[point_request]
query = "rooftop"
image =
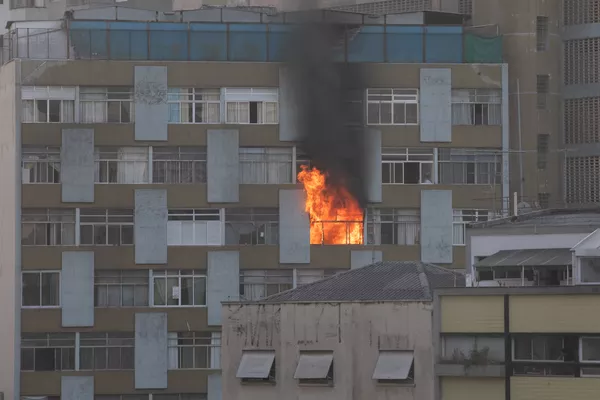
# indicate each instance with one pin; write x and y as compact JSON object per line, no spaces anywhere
{"x":549,"y":217}
{"x":382,"y":281}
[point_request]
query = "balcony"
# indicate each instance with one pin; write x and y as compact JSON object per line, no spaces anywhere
{"x":14,"y":4}
{"x":472,"y":356}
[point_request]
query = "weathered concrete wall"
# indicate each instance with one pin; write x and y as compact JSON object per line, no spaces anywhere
{"x":353,"y":331}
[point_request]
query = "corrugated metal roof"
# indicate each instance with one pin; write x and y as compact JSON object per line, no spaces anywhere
{"x":529,"y":257}
{"x":388,"y":280}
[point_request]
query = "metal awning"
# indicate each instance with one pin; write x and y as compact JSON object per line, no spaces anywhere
{"x":393,"y":365}
{"x":313,"y":366}
{"x":532,"y":258}
{"x":255,"y":364}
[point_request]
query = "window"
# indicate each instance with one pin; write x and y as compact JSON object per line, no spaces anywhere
{"x":541,"y":33}
{"x":392,"y":106}
{"x":174,"y":288}
{"x":589,"y":270}
{"x":306,"y":276}
{"x":258,"y":284}
{"x":315,"y":368}
{"x":460,"y":348}
{"x":460,"y":221}
{"x":265,"y":165}
{"x":99,"y":104}
{"x":48,"y":227}
{"x":201,"y":227}
{"x":395,"y":367}
{"x":257,"y":366}
{"x":41,"y":164}
{"x":251,"y":106}
{"x":41,"y":289}
{"x":393,"y":226}
{"x":101,"y":227}
{"x":476,"y":107}
{"x":538,"y":348}
{"x":589,"y":348}
{"x":542,"y":150}
{"x":190,"y":350}
{"x":48,"y":104}
{"x":48,"y":352}
{"x":179,"y":165}
{"x":407,"y":166}
{"x":106,"y":351}
{"x":302,"y":159}
{"x":543,"y":86}
{"x":127,"y":165}
{"x":195,"y":106}
{"x":121,"y":288}
{"x":470,"y":167}
{"x":251,"y":226}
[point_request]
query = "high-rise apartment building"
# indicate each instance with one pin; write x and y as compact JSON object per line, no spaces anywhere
{"x":149,"y":173}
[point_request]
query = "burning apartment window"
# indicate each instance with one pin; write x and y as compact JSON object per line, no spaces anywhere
{"x":251,"y":106}
{"x":125,"y":165}
{"x":101,"y":104}
{"x":194,"y":227}
{"x":469,"y":167}
{"x":270,"y":165}
{"x":258,"y":284}
{"x":106,"y":227}
{"x":392,"y":106}
{"x":407,"y":166}
{"x":41,"y":164}
{"x":460,"y":221}
{"x":48,"y":227}
{"x":251,"y":226}
{"x":106,"y":351}
{"x":477,"y":107}
{"x":48,"y":104}
{"x":48,"y":352}
{"x":179,"y":165}
{"x":121,"y":288}
{"x":194,"y":106}
{"x":179,"y":288}
{"x":302,"y":159}
{"x":393,"y":226}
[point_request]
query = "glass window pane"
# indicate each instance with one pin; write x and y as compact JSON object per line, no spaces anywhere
{"x":31,"y":289}
{"x":50,"y":289}
{"x":200,"y":291}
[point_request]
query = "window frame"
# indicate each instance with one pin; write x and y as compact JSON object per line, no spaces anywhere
{"x":263,"y":96}
{"x":266,"y":158}
{"x":121,"y":277}
{"x":179,"y":96}
{"x":374,"y":222}
{"x":169,"y":274}
{"x":107,"y":158}
{"x":407,"y":155}
{"x":541,"y":33}
{"x":531,"y":339}
{"x":53,"y":228}
{"x":199,"y":343}
{"x":267,"y":224}
{"x":280,"y":281}
{"x":458,"y":218}
{"x":107,"y":223}
{"x":46,"y":158}
{"x":106,"y":348}
{"x":195,"y":215}
{"x":40,"y":273}
{"x":396,"y":96}
{"x":489,"y":101}
{"x":118,"y":95}
{"x":167,"y":160}
{"x":475,"y":158}
{"x":57,"y":348}
{"x":581,"y":339}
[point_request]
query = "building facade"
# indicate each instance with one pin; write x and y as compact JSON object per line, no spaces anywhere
{"x":143,"y":185}
{"x":517,"y":343}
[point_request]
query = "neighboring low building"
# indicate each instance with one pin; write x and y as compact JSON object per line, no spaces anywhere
{"x":361,"y":334}
{"x":517,"y":343}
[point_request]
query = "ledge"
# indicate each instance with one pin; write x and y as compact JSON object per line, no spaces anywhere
{"x":488,"y":371}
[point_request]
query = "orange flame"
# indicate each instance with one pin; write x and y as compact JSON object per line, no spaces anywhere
{"x":335,"y":216}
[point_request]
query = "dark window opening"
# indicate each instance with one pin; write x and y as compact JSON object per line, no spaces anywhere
{"x":254,"y":118}
{"x":412,"y":173}
{"x":54,"y":111}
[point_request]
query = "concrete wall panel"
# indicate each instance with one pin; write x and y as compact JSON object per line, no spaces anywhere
{"x":150,"y":228}
{"x":436,"y":226}
{"x":77,"y":165}
{"x":223,"y":282}
{"x":223,"y":155}
{"x":151,"y":360}
{"x":294,"y":228}
{"x":77,"y":388}
{"x":436,"y":105}
{"x":151,"y":108}
{"x":214,"y":391}
{"x":373,"y":166}
{"x":77,"y":288}
{"x":362,"y":258}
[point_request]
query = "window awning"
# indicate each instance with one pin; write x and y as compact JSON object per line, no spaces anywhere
{"x":393,"y":365}
{"x":532,"y":258}
{"x":255,"y":364}
{"x":313,"y":366}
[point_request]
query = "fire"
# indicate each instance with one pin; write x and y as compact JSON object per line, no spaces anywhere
{"x":335,"y":216}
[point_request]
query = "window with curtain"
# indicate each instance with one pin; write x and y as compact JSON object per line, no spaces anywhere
{"x":476,"y":107}
{"x":190,"y":350}
{"x":194,"y":106}
{"x":179,"y":164}
{"x":251,"y":106}
{"x":194,"y":227}
{"x":251,"y":226}
{"x":469,"y":166}
{"x":407,"y":166}
{"x":258,"y":284}
{"x":48,"y":351}
{"x":179,"y":288}
{"x":40,"y":164}
{"x":270,"y":165}
{"x":124,"y":165}
{"x":47,"y":104}
{"x":464,"y":217}
{"x":393,"y":226}
{"x":106,"y":351}
{"x":102,"y":104}
{"x":121,"y":288}
{"x":47,"y":227}
{"x":106,"y":227}
{"x":392,"y":106}
{"x":40,"y":289}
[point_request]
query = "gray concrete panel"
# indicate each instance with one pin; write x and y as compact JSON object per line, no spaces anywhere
{"x":77,"y":165}
{"x":214,"y":391}
{"x":76,"y":388}
{"x":294,"y":228}
{"x":288,"y":125}
{"x":223,"y":282}
{"x":362,"y":258}
{"x":223,"y":155}
{"x":77,"y":288}
{"x":151,"y":108}
{"x":436,"y":226}
{"x":151,"y":357}
{"x":436,"y":105}
{"x":373,"y":166}
{"x":150,"y":229}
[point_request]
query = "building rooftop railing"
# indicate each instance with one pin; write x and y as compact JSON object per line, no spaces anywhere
{"x":255,"y":42}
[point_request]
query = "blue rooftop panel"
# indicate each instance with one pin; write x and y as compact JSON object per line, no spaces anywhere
{"x":208,"y":42}
{"x":247,"y":42}
{"x":404,"y":44}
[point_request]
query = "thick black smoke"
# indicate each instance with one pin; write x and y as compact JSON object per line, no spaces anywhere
{"x":322,"y":90}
